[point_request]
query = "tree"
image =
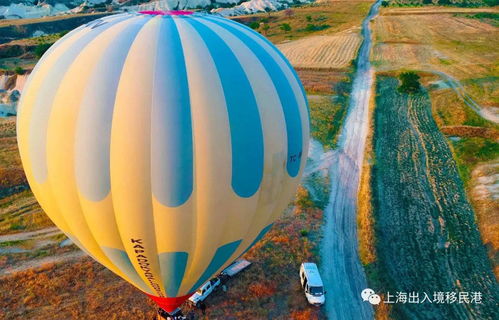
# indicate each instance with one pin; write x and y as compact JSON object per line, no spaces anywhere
{"x":385,"y":3}
{"x":285,"y":27}
{"x":310,"y":27}
{"x":309,"y":18}
{"x":41,"y":48}
{"x":18,"y":70}
{"x":254,"y":25}
{"x":410,"y":82}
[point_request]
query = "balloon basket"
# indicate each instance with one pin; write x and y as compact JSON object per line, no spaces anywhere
{"x":175,"y":315}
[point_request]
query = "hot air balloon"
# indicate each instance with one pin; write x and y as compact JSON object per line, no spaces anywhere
{"x":163,"y":144}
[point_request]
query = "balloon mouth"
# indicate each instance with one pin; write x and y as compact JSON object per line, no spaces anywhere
{"x":169,"y":304}
{"x":168,"y":13}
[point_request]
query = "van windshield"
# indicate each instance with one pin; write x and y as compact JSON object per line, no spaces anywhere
{"x":316,"y":291}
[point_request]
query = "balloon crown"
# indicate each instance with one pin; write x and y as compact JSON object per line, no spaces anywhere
{"x":168,"y":12}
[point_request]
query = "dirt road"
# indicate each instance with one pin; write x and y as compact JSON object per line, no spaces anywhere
{"x":30,"y":235}
{"x":37,"y":263}
{"x":342,"y":271}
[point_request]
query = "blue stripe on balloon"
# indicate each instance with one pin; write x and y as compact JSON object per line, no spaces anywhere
{"x":42,"y":107}
{"x":293,"y":71}
{"x":172,"y":266}
{"x":244,"y":118}
{"x":171,"y":128}
{"x":96,"y":113}
{"x":221,"y":256}
{"x":286,"y":96}
{"x":121,"y":260}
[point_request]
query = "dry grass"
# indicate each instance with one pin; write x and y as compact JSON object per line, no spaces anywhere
{"x":318,"y":81}
{"x":484,"y":200}
{"x":9,"y":156}
{"x":432,"y":10}
{"x":336,"y":51}
{"x":19,"y":210}
{"x":450,"y":110}
{"x":365,"y":219}
{"x":470,"y":132}
{"x":20,"y":22}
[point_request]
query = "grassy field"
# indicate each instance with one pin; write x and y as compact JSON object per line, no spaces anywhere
{"x":445,"y":40}
{"x":327,"y":112}
{"x":330,"y":16}
{"x":426,"y":236}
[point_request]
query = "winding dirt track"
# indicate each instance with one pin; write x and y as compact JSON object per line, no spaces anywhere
{"x":455,"y":85}
{"x":30,"y":235}
{"x":342,"y":271}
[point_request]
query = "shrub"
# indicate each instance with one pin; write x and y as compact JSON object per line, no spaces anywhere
{"x":41,"y":49}
{"x":313,"y":27}
{"x":265,"y":28}
{"x":254,"y":25}
{"x":285,"y":27}
{"x":18,"y":70}
{"x":302,"y":199}
{"x":309,"y":18}
{"x":304,"y":232}
{"x":410,"y":82}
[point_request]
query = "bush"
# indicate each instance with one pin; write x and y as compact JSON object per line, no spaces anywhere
{"x":313,"y":27}
{"x":285,"y":27}
{"x":309,"y":18}
{"x":41,"y":49}
{"x":265,"y":28}
{"x":410,"y":82}
{"x":302,"y":199}
{"x":254,"y":25}
{"x":304,"y":232}
{"x":18,"y":70}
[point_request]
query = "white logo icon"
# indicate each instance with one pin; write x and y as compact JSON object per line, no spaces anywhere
{"x":369,"y":295}
{"x":374,"y":299}
{"x":366,"y":293}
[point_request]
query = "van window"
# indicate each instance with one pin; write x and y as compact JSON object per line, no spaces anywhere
{"x":316,"y":290}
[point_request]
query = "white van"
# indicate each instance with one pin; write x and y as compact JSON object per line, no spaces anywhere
{"x":312,"y":283}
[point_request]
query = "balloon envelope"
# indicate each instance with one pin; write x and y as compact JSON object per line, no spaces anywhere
{"x":164,"y":145}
